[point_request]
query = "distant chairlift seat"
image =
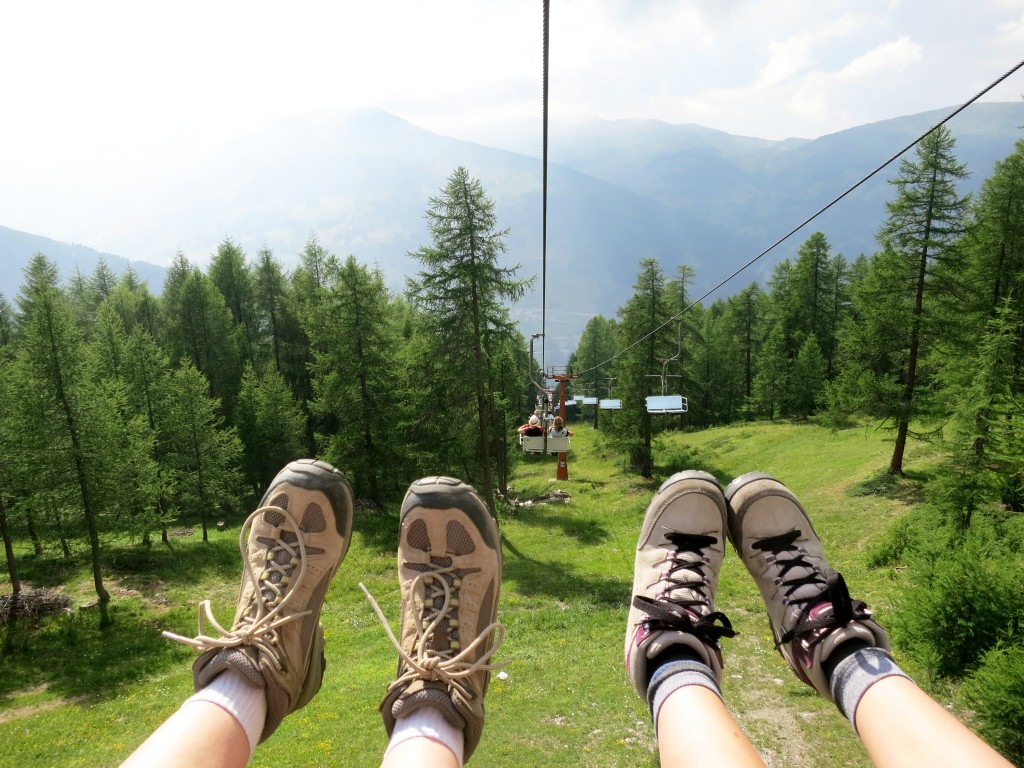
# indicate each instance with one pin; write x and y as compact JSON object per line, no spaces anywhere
{"x":535,"y":444}
{"x":610,"y":405}
{"x":660,"y":404}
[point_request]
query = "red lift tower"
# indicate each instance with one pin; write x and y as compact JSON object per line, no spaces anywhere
{"x":561,"y":375}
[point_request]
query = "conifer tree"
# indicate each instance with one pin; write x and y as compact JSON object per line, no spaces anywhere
{"x":281,"y":339}
{"x":597,"y":345}
{"x":806,"y":379}
{"x":204,"y":455}
{"x":463,"y":292}
{"x":908,"y":297}
{"x":648,"y":339}
{"x":229,"y":272}
{"x":271,"y":426}
{"x":743,"y":316}
{"x":85,"y":456}
{"x":772,"y":379}
{"x":198,"y":327}
{"x":353,"y":338}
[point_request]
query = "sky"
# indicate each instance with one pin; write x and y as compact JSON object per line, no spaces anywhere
{"x":92,"y":92}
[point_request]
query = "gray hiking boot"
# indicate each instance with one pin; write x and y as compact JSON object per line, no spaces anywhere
{"x":449,"y":571}
{"x":291,"y":547}
{"x":809,"y":606}
{"x":675,"y":576}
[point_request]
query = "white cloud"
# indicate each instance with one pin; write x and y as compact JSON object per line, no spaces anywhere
{"x":885,"y":59}
{"x":1012,"y":31}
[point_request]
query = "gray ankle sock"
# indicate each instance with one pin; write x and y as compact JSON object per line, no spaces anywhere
{"x":673,"y":675}
{"x":858,"y":672}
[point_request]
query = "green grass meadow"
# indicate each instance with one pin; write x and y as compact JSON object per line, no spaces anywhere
{"x":72,"y":695}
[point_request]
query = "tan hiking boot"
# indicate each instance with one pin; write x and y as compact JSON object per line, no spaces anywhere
{"x":675,"y":576}
{"x":291,"y":547}
{"x":809,"y":606}
{"x":449,"y":571}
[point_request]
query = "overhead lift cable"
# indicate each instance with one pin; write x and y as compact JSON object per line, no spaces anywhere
{"x":544,"y":198}
{"x":812,"y":217}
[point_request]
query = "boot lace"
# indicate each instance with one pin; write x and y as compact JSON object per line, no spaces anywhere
{"x":453,"y":665}
{"x":829,"y":586}
{"x":685,"y":573}
{"x":257,"y":627}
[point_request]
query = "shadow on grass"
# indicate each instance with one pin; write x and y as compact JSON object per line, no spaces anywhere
{"x":908,"y":488}
{"x":587,"y":532}
{"x":72,"y":657}
{"x":558,"y":580}
{"x":379,"y":531}
{"x":182,"y":562}
{"x":679,"y":458}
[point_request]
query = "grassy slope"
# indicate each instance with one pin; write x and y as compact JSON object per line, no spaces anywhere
{"x":79,"y":698}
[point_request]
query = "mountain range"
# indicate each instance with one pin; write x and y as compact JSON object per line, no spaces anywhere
{"x":618,"y":191}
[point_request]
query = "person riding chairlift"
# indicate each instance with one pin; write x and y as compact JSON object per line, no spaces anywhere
{"x":558,"y":429}
{"x":532,"y":428}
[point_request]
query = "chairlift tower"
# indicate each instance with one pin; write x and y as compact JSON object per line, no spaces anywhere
{"x":560,"y":374}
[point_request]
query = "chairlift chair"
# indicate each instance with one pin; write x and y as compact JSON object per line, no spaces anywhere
{"x":662,"y":404}
{"x":535,"y":444}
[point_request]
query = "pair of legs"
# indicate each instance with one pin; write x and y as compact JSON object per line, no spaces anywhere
{"x":673,"y":653}
{"x":270,"y":662}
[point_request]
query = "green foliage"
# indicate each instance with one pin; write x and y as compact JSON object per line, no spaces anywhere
{"x":771,"y":383}
{"x":271,"y":426}
{"x":644,"y":324}
{"x":901,"y":537}
{"x":907,"y":302}
{"x":462,"y":292}
{"x":807,"y":379}
{"x":198,"y":327}
{"x":233,"y":279}
{"x":598,"y":344}
{"x":353,"y":336}
{"x":202,"y":455}
{"x":996,"y":694}
{"x":961,"y":601}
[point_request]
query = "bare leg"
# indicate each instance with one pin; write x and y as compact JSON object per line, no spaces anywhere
{"x":198,"y":734}
{"x":695,"y":728}
{"x":830,"y":640}
{"x":290,"y":546}
{"x":901,"y":725}
{"x":420,"y":753}
{"x":672,"y":652}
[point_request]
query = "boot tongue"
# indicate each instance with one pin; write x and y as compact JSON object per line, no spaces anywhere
{"x":440,"y":642}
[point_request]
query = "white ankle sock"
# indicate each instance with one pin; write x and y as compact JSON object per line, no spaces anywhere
{"x":430,"y":723}
{"x":233,"y":693}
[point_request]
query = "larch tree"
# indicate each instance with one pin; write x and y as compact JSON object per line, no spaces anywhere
{"x":647,"y":340}
{"x":234,"y":280}
{"x":90,"y":463}
{"x":353,"y":338}
{"x":204,"y":454}
{"x":198,"y":327}
{"x":915,"y":278}
{"x":597,"y":346}
{"x":271,"y":426}
{"x":463,"y":292}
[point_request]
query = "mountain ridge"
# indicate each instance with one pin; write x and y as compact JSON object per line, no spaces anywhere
{"x":618,"y":191}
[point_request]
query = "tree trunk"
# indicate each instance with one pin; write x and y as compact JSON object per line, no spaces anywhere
{"x":907,"y":402}
{"x":37,"y":544}
{"x":83,"y":485}
{"x":12,"y":568}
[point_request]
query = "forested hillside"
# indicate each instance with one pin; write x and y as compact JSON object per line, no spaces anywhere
{"x":126,"y":410}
